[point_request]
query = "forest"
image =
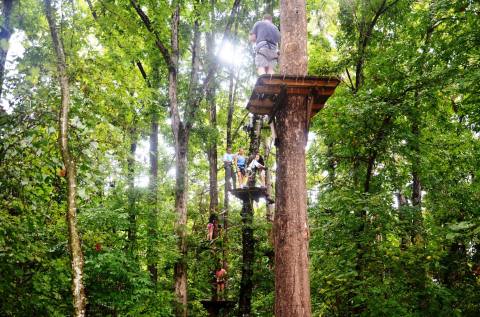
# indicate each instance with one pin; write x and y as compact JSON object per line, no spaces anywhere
{"x":115,"y":118}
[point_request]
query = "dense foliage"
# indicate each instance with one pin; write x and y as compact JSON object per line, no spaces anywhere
{"x":393,"y":160}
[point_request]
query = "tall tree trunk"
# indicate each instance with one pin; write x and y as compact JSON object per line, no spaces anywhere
{"x":248,"y":255}
{"x":270,"y":206}
{"x":181,"y":137}
{"x":248,"y":242}
{"x":212,"y":144}
{"x":5,"y":34}
{"x":230,"y":178}
{"x":152,"y":219}
{"x":74,"y":241}
{"x":180,"y":273}
{"x":255,"y":135}
{"x":132,"y":213}
{"x":292,"y":286}
{"x":268,"y":184}
{"x":402,"y":203}
{"x":417,"y":232}
{"x":153,"y":189}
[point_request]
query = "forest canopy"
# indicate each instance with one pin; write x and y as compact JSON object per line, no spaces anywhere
{"x":115,"y":117}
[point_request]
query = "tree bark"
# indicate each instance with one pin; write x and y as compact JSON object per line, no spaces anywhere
{"x":290,"y":223}
{"x":74,"y":240}
{"x":292,"y":286}
{"x":293,"y":51}
{"x":5,"y":34}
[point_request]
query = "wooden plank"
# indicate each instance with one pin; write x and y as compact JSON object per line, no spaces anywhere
{"x":269,"y":90}
{"x":274,"y":90}
{"x":249,"y":193}
{"x":261,"y":103}
{"x":259,"y":110}
{"x":302,"y":82}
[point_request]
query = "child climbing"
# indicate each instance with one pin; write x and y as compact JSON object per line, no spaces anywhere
{"x":212,"y":227}
{"x":210,"y":231}
{"x":221,"y":275}
{"x":228,"y":163}
{"x":258,"y":165}
{"x":240,"y":162}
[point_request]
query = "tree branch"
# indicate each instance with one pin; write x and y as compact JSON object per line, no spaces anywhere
{"x":94,"y":13}
{"x":148,"y":24}
{"x":144,"y":73}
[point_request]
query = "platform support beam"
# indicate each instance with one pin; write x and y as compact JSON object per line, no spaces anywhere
{"x":248,"y":254}
{"x":292,"y":285}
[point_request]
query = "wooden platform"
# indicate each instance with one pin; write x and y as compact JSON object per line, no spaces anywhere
{"x":270,"y":92}
{"x":253,"y":193}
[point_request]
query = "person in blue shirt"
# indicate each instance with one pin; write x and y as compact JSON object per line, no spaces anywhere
{"x":241,"y":162}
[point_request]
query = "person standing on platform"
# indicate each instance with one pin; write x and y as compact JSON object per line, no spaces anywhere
{"x":258,"y":165}
{"x":240,"y":162}
{"x":228,"y":162}
{"x":266,"y":37}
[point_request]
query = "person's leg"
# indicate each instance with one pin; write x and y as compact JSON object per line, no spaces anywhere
{"x":270,"y":70}
{"x":261,"y":71}
{"x":239,"y":178}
